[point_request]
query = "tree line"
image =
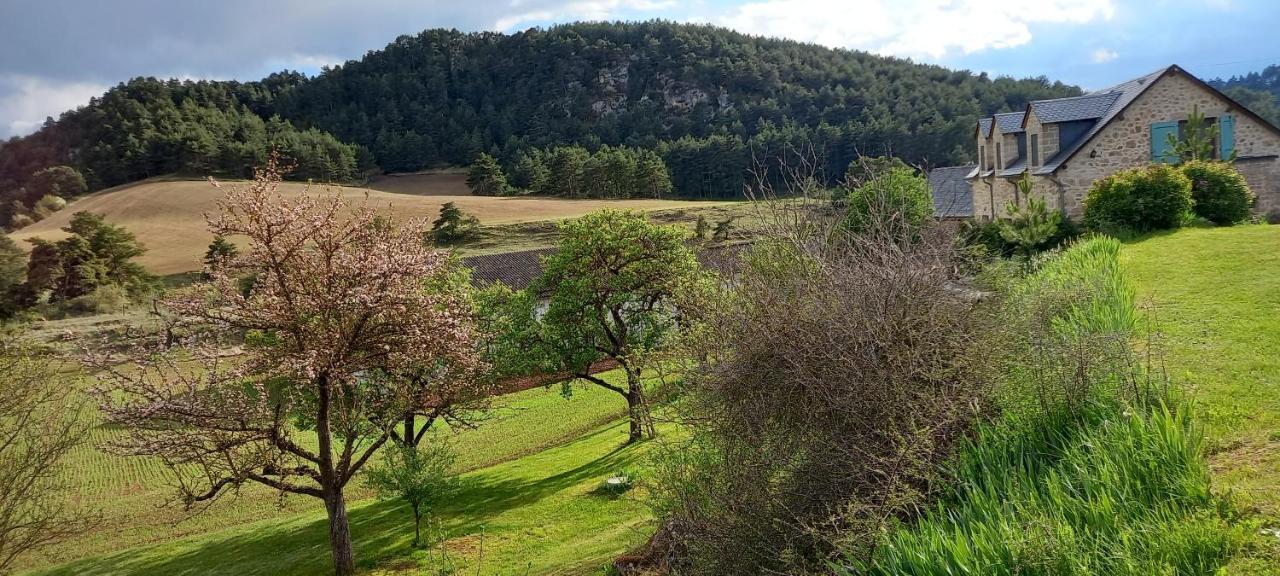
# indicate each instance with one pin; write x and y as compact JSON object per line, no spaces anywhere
{"x":148,"y":127}
{"x":704,"y":98}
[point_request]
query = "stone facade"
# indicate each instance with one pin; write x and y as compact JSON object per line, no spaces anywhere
{"x":1126,"y":143}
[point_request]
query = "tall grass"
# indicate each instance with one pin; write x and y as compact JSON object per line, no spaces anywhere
{"x":1088,"y":469}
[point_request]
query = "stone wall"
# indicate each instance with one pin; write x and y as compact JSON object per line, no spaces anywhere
{"x":1126,"y":142}
{"x":1263,"y":175}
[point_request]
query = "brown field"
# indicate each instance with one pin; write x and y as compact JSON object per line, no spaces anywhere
{"x":168,"y":216}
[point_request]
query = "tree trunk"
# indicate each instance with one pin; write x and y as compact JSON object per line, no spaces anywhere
{"x":637,"y":410}
{"x":417,"y":526}
{"x":344,"y":558}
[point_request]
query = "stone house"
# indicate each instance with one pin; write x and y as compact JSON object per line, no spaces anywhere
{"x":1065,"y":144}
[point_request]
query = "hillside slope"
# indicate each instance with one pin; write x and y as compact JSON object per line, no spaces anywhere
{"x":168,"y":216}
{"x":711,"y":100}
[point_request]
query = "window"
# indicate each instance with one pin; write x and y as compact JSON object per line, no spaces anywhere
{"x":1035,"y":149}
{"x":999,"y":158}
{"x":982,"y":158}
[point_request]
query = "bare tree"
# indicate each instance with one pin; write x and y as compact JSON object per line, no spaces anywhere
{"x":338,"y":309}
{"x":39,"y":424}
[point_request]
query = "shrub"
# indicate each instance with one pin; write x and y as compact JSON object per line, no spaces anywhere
{"x":1221,"y":194}
{"x":895,"y":202}
{"x":1138,"y":199}
{"x":1033,"y":228}
{"x":19,"y":221}
{"x":104,"y":299}
{"x":46,"y":206}
{"x":836,"y":381}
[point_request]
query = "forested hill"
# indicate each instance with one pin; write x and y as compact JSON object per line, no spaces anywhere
{"x":705,"y":97}
{"x":1260,"y":91}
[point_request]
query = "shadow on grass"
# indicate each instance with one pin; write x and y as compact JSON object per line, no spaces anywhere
{"x":382,"y":530}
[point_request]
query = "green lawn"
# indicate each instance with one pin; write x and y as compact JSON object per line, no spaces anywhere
{"x":131,"y":493}
{"x":538,"y":514}
{"x":1215,"y":296}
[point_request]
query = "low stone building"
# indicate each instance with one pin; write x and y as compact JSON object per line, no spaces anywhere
{"x":1066,"y":144}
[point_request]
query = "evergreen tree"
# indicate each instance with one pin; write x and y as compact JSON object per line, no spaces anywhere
{"x":485,"y":177}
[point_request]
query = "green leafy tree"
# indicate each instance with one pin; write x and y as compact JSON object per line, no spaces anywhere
{"x":219,"y":253}
{"x":96,"y":254}
{"x":651,"y":176}
{"x":613,"y":284}
{"x":454,"y":225}
{"x":13,"y":271}
{"x":421,"y":476}
{"x":61,"y":181}
{"x":567,"y":166}
{"x":46,"y":206}
{"x":864,"y":168}
{"x":485,"y":177}
{"x":897,"y":200}
{"x":531,"y":173}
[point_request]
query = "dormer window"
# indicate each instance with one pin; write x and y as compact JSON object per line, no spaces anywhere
{"x":999,"y":158}
{"x":1035,"y":149}
{"x":982,"y":158}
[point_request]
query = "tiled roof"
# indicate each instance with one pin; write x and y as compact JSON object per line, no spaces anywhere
{"x":519,"y":270}
{"x":1087,"y":107}
{"x":1125,"y":93}
{"x":515,"y":269}
{"x":952,"y":194}
{"x":984,"y":126}
{"x":1010,"y":122}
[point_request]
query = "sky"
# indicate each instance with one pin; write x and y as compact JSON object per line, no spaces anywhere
{"x":57,"y":54}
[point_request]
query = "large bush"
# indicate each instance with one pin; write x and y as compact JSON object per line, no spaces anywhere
{"x":894,"y":201}
{"x":1155,"y":197}
{"x":833,"y":380}
{"x":1221,"y":194}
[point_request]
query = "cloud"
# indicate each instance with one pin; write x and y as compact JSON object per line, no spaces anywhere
{"x":25,"y":101}
{"x":912,"y":28}
{"x":1103,"y":55}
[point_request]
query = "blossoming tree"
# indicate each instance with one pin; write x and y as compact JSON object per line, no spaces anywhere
{"x":351,"y":327}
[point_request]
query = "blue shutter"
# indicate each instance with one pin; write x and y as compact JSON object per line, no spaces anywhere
{"x":1160,"y":150}
{"x":1226,"y":136}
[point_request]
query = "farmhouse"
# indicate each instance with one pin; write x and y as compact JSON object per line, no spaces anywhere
{"x":1065,"y":144}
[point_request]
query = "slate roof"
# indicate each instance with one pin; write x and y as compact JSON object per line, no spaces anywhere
{"x":1087,"y":107}
{"x":1125,"y":93}
{"x":984,"y":125}
{"x":1016,"y":169}
{"x":952,"y":193}
{"x":1010,"y":122}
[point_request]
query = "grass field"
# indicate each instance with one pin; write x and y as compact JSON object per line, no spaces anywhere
{"x":168,"y":215}
{"x":129,"y":491}
{"x":1214,"y":293}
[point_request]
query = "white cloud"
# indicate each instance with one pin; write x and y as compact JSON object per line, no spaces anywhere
{"x":1103,"y":55}
{"x":526,"y":12}
{"x":912,"y":28}
{"x":25,"y":101}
